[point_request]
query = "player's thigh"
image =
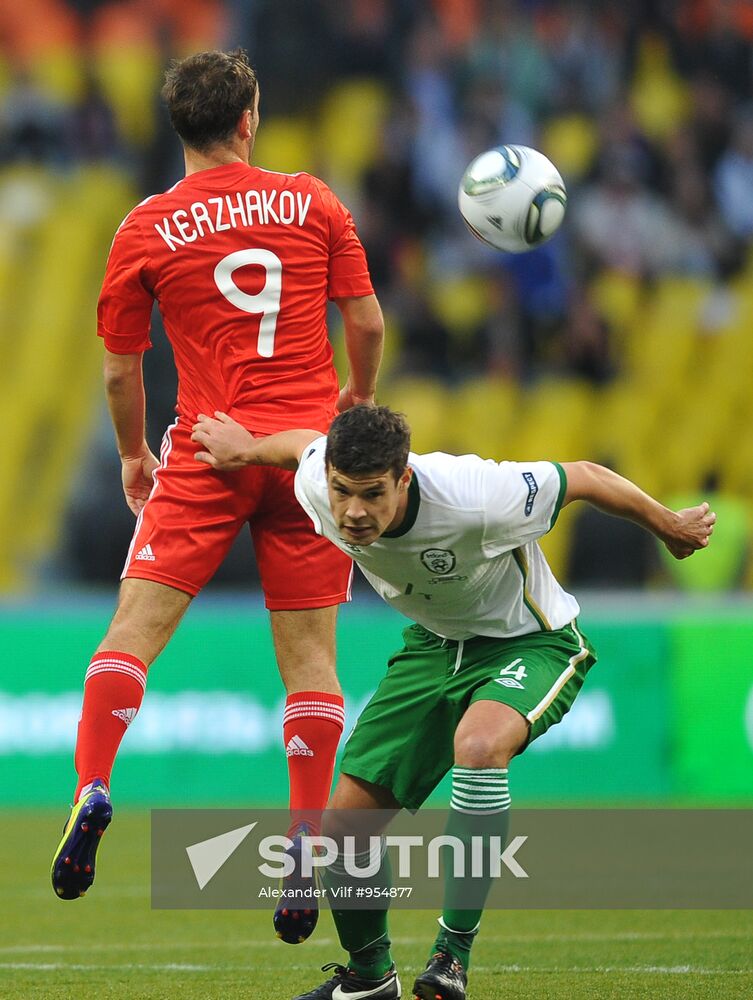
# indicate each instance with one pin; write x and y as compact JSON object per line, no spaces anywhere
{"x":146,"y":617}
{"x":402,"y":740}
{"x":190,"y":520}
{"x":305,"y":649}
{"x":538,"y":675}
{"x":299,"y":569}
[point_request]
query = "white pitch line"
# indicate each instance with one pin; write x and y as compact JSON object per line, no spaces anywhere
{"x":124,"y":892}
{"x":325,"y":942}
{"x":684,"y":970}
{"x":662,"y":970}
{"x":617,"y":936}
{"x":79,"y":967}
{"x":30,"y":949}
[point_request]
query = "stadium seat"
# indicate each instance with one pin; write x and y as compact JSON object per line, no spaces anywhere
{"x":130,"y":78}
{"x":618,"y":298}
{"x":426,"y":404}
{"x":658,"y":96}
{"x":484,"y":417}
{"x":735,"y":463}
{"x":555,"y":421}
{"x":623,"y":429}
{"x":5,"y":75}
{"x":351,"y":121}
{"x":285,"y":144}
{"x":56,"y":366}
{"x":661,"y":346}
{"x":60,"y":72}
{"x":461,"y":302}
{"x":570,"y":141}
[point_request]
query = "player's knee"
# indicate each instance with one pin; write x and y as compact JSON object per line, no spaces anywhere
{"x":146,"y":617}
{"x":477,"y":748}
{"x":138,"y":620}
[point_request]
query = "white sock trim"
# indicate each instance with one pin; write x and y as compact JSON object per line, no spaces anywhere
{"x":443,"y":925}
{"x":480,"y":791}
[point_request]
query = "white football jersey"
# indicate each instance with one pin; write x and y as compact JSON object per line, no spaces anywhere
{"x":465,"y":560}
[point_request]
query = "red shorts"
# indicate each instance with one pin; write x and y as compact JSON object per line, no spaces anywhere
{"x":194,"y":514}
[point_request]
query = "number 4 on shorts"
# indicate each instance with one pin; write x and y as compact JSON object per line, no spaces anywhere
{"x":512,"y":674}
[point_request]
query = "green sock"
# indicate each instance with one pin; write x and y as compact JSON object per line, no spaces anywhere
{"x":458,"y":943}
{"x":375,"y":959}
{"x":363,"y":933}
{"x":480,"y":808}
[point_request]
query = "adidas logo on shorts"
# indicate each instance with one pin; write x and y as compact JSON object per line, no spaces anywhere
{"x":297,"y":748}
{"x":146,"y":553}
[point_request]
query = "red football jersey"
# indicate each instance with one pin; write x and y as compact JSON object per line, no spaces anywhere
{"x":241,"y":262}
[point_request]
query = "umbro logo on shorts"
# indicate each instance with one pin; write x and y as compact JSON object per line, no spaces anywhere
{"x":297,"y":748}
{"x":509,"y":682}
{"x":146,"y":554}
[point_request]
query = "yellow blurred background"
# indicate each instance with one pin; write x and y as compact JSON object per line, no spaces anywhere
{"x":628,"y":339}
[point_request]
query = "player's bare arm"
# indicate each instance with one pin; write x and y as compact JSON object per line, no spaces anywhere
{"x":683,"y":531}
{"x":364,"y":340}
{"x":228,"y":446}
{"x":124,"y":388}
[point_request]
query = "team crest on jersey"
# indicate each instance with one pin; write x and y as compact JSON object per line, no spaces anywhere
{"x":439,"y":561}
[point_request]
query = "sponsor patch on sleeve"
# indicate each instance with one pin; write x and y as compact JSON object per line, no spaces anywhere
{"x":533,"y":489}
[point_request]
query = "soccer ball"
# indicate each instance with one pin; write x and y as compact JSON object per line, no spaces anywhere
{"x":512,"y":198}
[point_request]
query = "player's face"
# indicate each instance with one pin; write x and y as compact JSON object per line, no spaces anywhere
{"x":366,"y":506}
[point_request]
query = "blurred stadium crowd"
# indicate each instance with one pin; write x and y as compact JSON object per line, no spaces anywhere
{"x":627,"y":339}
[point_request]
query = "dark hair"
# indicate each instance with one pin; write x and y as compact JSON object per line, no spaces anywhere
{"x":207,"y":93}
{"x":367,"y":439}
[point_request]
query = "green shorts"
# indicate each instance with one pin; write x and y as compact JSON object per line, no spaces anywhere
{"x":403,"y":739}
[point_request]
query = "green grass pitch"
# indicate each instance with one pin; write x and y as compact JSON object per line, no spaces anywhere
{"x":111,"y":944}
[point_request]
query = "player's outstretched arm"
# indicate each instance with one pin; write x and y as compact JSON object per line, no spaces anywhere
{"x":682,"y":531}
{"x":364,"y":341}
{"x":228,"y":446}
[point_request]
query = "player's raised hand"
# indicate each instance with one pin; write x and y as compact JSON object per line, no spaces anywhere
{"x":224,"y":441}
{"x":691,"y":530}
{"x":138,"y":478}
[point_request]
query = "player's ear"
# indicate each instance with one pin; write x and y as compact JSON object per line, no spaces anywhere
{"x":246,"y":124}
{"x":405,"y":478}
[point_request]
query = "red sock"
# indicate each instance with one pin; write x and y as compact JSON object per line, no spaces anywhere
{"x":113,"y":689}
{"x":311,"y":729}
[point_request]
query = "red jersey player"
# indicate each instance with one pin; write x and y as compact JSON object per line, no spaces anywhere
{"x":241,"y":262}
